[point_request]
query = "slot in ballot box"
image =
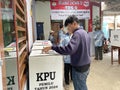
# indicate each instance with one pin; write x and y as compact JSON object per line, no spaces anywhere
{"x":42,"y":43}
{"x":37,"y":48}
{"x":45,"y":71}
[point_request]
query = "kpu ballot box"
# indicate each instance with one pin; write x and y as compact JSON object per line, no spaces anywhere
{"x":11,"y":73}
{"x":45,"y":71}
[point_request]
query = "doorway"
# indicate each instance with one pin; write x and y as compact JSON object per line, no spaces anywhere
{"x":40,"y":30}
{"x":82,"y":23}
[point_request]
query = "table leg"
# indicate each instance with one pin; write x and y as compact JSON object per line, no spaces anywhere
{"x":119,"y":55}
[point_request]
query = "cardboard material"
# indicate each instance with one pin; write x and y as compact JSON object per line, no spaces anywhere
{"x":115,"y":38}
{"x":45,"y":70}
{"x":37,"y":47}
{"x":11,"y":77}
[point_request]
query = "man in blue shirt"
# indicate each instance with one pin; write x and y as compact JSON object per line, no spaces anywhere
{"x":51,"y":37}
{"x":67,"y":60}
{"x":61,"y":33}
{"x":98,"y":38}
{"x":79,"y":51}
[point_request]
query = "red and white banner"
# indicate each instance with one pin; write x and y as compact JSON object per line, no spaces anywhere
{"x":61,"y":9}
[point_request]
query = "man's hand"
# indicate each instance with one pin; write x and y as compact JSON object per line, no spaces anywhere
{"x":46,"y":49}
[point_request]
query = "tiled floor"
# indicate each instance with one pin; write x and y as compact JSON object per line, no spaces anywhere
{"x":103,"y":75}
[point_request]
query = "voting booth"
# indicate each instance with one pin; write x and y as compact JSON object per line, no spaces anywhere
{"x":115,"y":44}
{"x":45,"y":70}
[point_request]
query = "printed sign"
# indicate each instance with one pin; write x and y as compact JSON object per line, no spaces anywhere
{"x":115,"y":38}
{"x":61,"y":9}
{"x":45,"y":72}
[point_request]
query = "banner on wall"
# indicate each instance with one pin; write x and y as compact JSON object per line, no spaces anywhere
{"x":61,"y":9}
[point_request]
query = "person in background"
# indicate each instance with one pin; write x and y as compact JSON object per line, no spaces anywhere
{"x":109,"y":44}
{"x":81,"y":27}
{"x":105,"y":46}
{"x":67,"y":61}
{"x":61,"y":33}
{"x":98,"y":38}
{"x":79,"y":50}
{"x":51,"y":37}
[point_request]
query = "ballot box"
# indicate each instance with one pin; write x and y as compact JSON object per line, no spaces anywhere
{"x":115,"y":38}
{"x":45,"y":71}
{"x":11,"y":73}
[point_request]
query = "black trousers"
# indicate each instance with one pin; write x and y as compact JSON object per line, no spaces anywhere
{"x":99,"y":53}
{"x":67,"y":73}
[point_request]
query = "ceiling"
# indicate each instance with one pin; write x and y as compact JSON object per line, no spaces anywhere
{"x":109,"y":5}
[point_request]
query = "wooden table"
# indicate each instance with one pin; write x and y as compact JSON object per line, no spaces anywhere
{"x":112,"y":49}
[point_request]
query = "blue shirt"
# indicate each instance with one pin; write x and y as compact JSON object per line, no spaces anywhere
{"x":64,"y":42}
{"x":78,"y":48}
{"x":98,"y":37}
{"x":61,"y":35}
{"x":51,"y":38}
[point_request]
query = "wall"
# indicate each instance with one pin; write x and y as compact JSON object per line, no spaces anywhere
{"x":34,"y":20}
{"x":95,"y":12}
{"x":43,"y":15}
{"x":29,"y":23}
{"x":92,"y":12}
{"x":86,"y":25}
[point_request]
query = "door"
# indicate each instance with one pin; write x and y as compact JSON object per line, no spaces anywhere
{"x":40,"y":31}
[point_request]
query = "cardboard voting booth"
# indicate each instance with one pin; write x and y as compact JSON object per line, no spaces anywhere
{"x":45,"y":70}
{"x":115,"y":38}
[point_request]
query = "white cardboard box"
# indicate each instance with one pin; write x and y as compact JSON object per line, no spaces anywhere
{"x":115,"y":38}
{"x":11,"y":73}
{"x":45,"y":71}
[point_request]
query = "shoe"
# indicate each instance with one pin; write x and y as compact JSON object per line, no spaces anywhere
{"x":95,"y":58}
